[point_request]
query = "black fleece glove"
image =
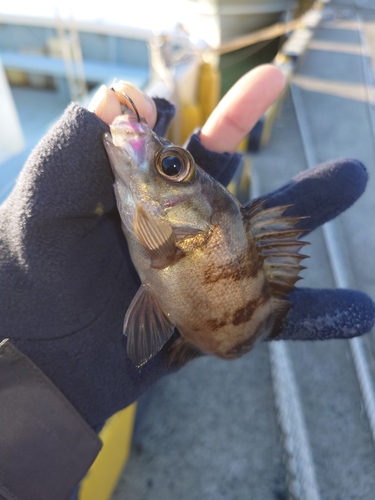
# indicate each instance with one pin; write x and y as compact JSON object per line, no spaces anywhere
{"x":67,"y":279}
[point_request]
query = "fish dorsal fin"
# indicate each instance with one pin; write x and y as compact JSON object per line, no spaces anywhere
{"x":156,"y":236}
{"x":146,"y":326}
{"x":275,"y":238}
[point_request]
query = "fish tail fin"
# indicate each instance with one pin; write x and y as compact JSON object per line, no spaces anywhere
{"x":276,"y":240}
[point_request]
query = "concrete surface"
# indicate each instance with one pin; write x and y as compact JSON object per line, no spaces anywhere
{"x":210,"y":431}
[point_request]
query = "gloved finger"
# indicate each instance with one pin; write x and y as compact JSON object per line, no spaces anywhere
{"x":221,"y":166}
{"x":321,"y":193}
{"x":241,"y":108}
{"x":321,"y":314}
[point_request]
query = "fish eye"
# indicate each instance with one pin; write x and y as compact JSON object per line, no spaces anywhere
{"x":175,"y":164}
{"x":171,"y":165}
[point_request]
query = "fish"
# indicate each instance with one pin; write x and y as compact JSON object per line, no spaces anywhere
{"x":215,"y":270}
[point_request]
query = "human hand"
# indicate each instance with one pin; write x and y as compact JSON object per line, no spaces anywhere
{"x":65,"y":261}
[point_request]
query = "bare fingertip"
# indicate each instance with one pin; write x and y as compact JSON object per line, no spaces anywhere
{"x":113,"y":107}
{"x":152,"y":112}
{"x":105,"y":105}
{"x":97,"y":101}
{"x":268,"y":74}
{"x":276,"y":74}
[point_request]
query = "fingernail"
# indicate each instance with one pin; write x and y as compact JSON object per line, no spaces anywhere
{"x":99,"y":101}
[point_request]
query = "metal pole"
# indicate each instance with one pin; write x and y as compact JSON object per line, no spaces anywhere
{"x":67,"y":56}
{"x":78,"y":59}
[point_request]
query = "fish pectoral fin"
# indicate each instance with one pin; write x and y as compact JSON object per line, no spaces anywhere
{"x":182,"y":351}
{"x":146,"y":326}
{"x":156,"y":236}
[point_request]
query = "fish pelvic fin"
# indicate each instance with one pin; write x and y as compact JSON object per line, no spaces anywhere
{"x":181,"y":352}
{"x":146,"y":326}
{"x":276,"y":240}
{"x":156,"y":236}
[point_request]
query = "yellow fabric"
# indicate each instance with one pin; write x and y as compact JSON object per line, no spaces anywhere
{"x":208,"y":89}
{"x":103,"y":475}
{"x":191,"y":119}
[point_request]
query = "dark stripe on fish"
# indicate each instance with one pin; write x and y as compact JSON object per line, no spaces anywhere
{"x":214,"y":324}
{"x":242,"y":268}
{"x":243,"y":314}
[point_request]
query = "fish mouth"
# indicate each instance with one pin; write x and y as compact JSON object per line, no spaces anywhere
{"x":126,"y":129}
{"x":125,"y":144}
{"x":119,"y":159}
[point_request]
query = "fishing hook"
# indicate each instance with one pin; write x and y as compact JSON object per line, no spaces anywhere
{"x":132,"y":104}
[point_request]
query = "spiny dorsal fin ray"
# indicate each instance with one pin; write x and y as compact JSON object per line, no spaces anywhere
{"x":156,"y":237}
{"x":267,"y":213}
{"x":284,"y":277}
{"x":275,"y":237}
{"x":279,"y":234}
{"x":255,"y":210}
{"x":283,"y":258}
{"x":264,"y":225}
{"x":280,"y":289}
{"x":274,"y":246}
{"x":283,"y":267}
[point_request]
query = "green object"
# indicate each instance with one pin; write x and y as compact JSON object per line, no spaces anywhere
{"x":235,"y":64}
